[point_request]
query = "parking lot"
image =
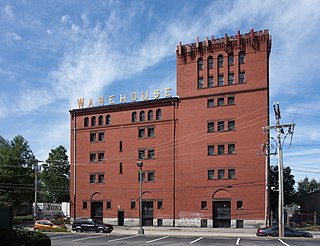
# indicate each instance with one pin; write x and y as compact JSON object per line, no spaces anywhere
{"x":61,"y":239}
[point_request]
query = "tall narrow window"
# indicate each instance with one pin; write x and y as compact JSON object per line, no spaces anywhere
{"x":150,"y":132}
{"x":84,"y":205}
{"x":242,"y":77}
{"x":150,"y":176}
{"x":220,"y":149}
{"x":241,"y":57}
{"x":210,"y":174}
{"x":210,"y":62}
{"x":133,"y":204}
{"x":101,"y":178}
{"x":210,"y":126}
{"x":231,"y":79}
{"x":93,"y":157}
{"x":150,"y":153}
{"x":100,"y":120}
{"x":220,"y":101}
{"x":108,"y":205}
{"x":92,"y":179}
{"x":120,"y":146}
{"x":210,"y":103}
{"x":108,"y":120}
{"x":134,"y":117}
{"x":141,"y":154}
{"x":141,"y":133}
{"x":210,"y":149}
{"x":231,"y":59}
{"x":142,"y":116}
{"x":86,"y":122}
{"x":200,"y":64}
{"x":204,"y":205}
{"x":150,"y":115}
{"x":200,"y":83}
{"x":120,"y":168}
{"x":230,"y":100}
{"x":93,"y":121}
{"x":231,"y":173}
{"x":231,"y":149}
{"x":220,"y":80}
{"x":221,"y":126}
{"x":210,"y":82}
{"x":231,"y":125}
{"x":101,"y":136}
{"x":221,"y":174}
{"x":158,"y":114}
{"x":160,"y":204}
{"x":100,"y":156}
{"x":220,"y":61}
{"x":93,"y":137}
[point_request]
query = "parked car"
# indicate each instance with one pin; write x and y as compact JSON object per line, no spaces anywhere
{"x":85,"y":224}
{"x":44,"y":225}
{"x":288,"y":232}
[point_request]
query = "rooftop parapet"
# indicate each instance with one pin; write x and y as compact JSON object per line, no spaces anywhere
{"x":227,"y":43}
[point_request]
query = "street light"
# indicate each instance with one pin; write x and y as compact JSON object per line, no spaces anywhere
{"x":140,"y":231}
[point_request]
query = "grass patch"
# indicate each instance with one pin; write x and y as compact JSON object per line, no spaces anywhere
{"x":22,"y":218}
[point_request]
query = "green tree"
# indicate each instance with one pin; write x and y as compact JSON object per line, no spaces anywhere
{"x":306,"y":186}
{"x":55,"y":176}
{"x":288,"y":187}
{"x":16,"y":174}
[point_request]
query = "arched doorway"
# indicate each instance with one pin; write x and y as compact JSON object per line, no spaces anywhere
{"x":97,"y":207}
{"x":221,"y":209}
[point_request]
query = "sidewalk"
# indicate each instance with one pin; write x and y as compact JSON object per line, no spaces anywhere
{"x":186,"y":231}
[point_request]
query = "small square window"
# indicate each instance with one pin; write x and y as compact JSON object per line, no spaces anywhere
{"x":231,"y":125}
{"x":150,"y":132}
{"x":92,"y":178}
{"x":204,"y":205}
{"x":220,"y":149}
{"x":210,"y":82}
{"x":93,"y":137}
{"x":210,"y":174}
{"x":210,"y":103}
{"x":141,"y":154}
{"x":108,"y":204}
{"x":84,"y":205}
{"x":239,"y":205}
{"x":141,"y":133}
{"x":210,"y":149}
{"x":101,"y":178}
{"x":150,"y":153}
{"x":151,"y":177}
{"x":133,"y":205}
{"x":100,"y":156}
{"x":220,"y":101}
{"x":93,"y":157}
{"x":221,"y":174}
{"x":230,"y":100}
{"x":210,"y":126}
{"x":220,"y":80}
{"x":221,"y":126}
{"x":231,"y":173}
{"x":160,"y":205}
{"x":231,"y":149}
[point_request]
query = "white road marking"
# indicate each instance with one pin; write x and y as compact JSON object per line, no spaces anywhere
{"x":157,"y":239}
{"x":238,"y":241}
{"x":196,"y":240}
{"x":123,"y":238}
{"x":87,"y":238}
{"x":283,"y":242}
{"x":52,"y":238}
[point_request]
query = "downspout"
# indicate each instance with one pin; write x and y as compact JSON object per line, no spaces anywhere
{"x":74,"y":167}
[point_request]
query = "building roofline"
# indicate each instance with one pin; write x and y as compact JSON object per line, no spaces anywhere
{"x":126,"y":106}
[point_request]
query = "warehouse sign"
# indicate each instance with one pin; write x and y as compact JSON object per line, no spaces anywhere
{"x":144,"y":96}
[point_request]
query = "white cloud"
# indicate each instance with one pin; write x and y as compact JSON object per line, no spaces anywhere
{"x":65,"y":19}
{"x":8,"y":10}
{"x":49,"y":32}
{"x":7,"y":74}
{"x":14,"y":36}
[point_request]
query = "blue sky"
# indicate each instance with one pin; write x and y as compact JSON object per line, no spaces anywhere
{"x":53,"y":52}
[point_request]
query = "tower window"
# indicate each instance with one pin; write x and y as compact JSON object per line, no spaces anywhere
{"x":210,"y":82}
{"x":108,"y":120}
{"x":200,"y":83}
{"x":158,"y":114}
{"x":150,"y":115}
{"x":220,"y":61}
{"x":231,"y":59}
{"x":86,"y":122}
{"x":231,"y":79}
{"x":220,"y":80}
{"x":242,"y":76}
{"x":200,"y":64}
{"x":241,"y":58}
{"x":100,"y":120}
{"x":134,"y":117}
{"x":142,"y":116}
{"x":210,"y":62}
{"x":93,"y":121}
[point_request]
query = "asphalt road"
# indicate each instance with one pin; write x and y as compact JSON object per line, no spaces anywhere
{"x":84,"y":239}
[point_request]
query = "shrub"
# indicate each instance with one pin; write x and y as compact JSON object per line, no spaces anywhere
{"x":17,"y":237}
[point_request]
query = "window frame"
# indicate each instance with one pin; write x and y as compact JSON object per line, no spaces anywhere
{"x":151,"y":132}
{"x":93,"y":137}
{"x":92,"y":178}
{"x":231,"y":101}
{"x":142,"y":116}
{"x":200,"y":64}
{"x":231,"y":149}
{"x":141,"y":133}
{"x":141,"y":154}
{"x":210,"y":82}
{"x":231,"y":125}
{"x":242,"y":77}
{"x":158,"y":114}
{"x":101,"y":154}
{"x":210,"y":103}
{"x":220,"y":80}
{"x":231,"y":59}
{"x":204,"y":205}
{"x":221,"y":171}
{"x":200,"y":83}
{"x":220,"y":126}
{"x":210,"y":127}
{"x":231,"y":79}
{"x":221,"y":149}
{"x":101,"y":136}
{"x":220,"y":60}
{"x":210,"y":62}
{"x":210,"y":150}
{"x":210,"y":174}
{"x":221,"y":99}
{"x":231,"y":173}
{"x":134,"y":117}
{"x":100,"y":178}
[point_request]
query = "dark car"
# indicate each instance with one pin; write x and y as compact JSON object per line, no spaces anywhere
{"x":85,"y":224}
{"x":288,"y":232}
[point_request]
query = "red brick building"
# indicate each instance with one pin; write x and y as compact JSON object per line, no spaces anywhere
{"x":199,"y":149}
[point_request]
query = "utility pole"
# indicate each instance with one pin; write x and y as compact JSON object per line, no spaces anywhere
{"x":35,"y":166}
{"x":280,"y":130}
